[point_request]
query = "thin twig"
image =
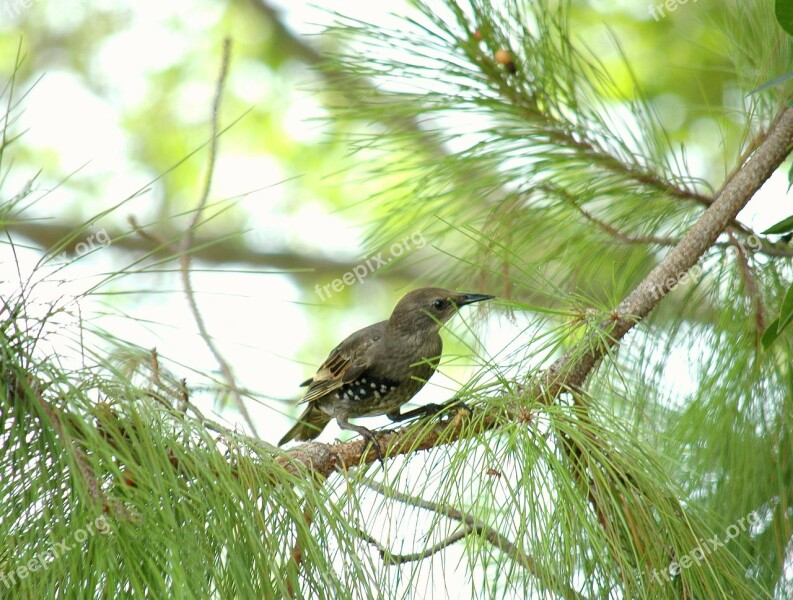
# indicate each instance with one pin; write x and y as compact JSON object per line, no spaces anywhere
{"x":229,"y":433}
{"x":751,"y":287}
{"x":777,"y":249}
{"x":389,"y":558}
{"x":182,"y":395}
{"x":564,"y":194}
{"x":623,"y":237}
{"x":187,"y":241}
{"x":149,"y":237}
{"x":76,"y":452}
{"x":297,"y":552}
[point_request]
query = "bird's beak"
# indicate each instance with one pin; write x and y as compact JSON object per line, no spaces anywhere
{"x":463,"y":299}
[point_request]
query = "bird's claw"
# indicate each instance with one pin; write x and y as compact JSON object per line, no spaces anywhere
{"x":375,"y":444}
{"x":454,"y":405}
{"x":459,"y":405}
{"x":432,"y":409}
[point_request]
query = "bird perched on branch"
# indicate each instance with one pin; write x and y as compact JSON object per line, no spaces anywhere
{"x":381,"y":367}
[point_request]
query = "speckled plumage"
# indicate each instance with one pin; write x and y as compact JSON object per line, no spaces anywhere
{"x":379,"y":368}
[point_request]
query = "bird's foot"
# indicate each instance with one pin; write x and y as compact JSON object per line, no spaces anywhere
{"x":366,"y":434}
{"x":371,"y":437}
{"x":454,"y":407}
{"x":450,"y":408}
{"x":432,"y":409}
{"x":458,"y":405}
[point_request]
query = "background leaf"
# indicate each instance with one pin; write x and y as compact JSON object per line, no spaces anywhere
{"x":774,"y":82}
{"x":784,"y":15}
{"x":784,"y":226}
{"x":785,"y":318}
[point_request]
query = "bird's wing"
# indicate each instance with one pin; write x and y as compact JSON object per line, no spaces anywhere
{"x":345,"y":364}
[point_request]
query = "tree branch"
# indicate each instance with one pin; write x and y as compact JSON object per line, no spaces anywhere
{"x":181,"y":395}
{"x":297,"y":552}
{"x":751,"y":287}
{"x":389,"y":558}
{"x":307,"y":267}
{"x":623,"y":237}
{"x":764,"y":246}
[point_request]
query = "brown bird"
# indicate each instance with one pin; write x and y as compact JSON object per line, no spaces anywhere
{"x":381,"y":367}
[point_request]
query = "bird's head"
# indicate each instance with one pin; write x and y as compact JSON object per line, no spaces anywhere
{"x":430,"y":307}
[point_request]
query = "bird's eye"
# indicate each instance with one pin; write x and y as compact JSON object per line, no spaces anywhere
{"x":439,"y":304}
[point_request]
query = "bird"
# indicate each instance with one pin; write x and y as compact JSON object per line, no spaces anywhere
{"x":379,"y":368}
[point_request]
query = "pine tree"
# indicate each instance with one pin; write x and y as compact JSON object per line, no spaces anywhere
{"x":581,"y":470}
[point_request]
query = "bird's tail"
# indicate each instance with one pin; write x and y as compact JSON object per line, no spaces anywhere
{"x":308,"y":426}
